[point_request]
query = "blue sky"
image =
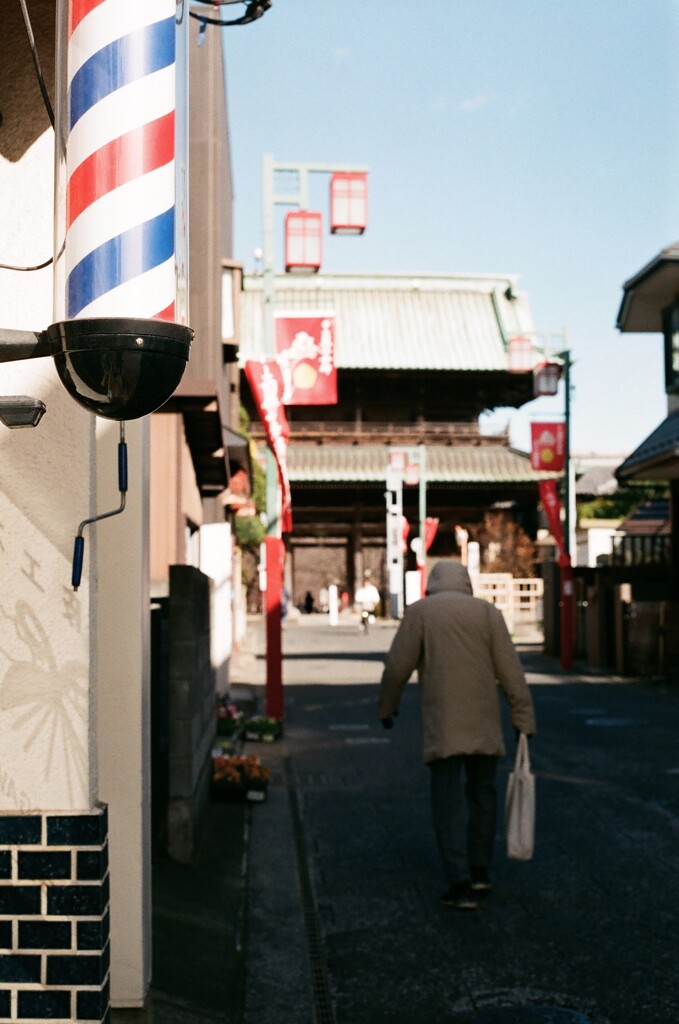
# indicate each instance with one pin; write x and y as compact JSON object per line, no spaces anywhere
{"x":538,"y":138}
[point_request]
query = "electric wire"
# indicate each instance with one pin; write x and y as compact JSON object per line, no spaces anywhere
{"x":36,"y":62}
{"x":254,"y":9}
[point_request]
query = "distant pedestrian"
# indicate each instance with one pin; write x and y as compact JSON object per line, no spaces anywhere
{"x":461,"y":648}
{"x":367,"y":599}
{"x":308,"y":602}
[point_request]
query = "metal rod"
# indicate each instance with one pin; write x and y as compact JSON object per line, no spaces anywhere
{"x":23,"y":345}
{"x":566,"y":355}
{"x":79,"y":545}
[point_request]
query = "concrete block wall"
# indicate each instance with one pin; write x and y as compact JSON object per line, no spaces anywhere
{"x":192,"y":720}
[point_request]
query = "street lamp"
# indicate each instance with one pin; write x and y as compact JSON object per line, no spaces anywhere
{"x":297,"y":195}
{"x":546,"y":374}
{"x":404,"y":462}
{"x":302,"y":239}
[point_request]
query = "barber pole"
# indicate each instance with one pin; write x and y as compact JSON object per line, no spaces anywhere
{"x":119,"y":138}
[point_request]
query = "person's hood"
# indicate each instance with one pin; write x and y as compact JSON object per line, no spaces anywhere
{"x":449,"y":575}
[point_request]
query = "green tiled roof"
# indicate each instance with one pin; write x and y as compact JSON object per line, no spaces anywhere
{"x":446,"y":464}
{"x":396,"y":321}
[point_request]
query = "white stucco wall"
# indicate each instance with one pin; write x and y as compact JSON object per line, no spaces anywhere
{"x":47,"y":713}
{"x":59,"y":648}
{"x":124,"y":701}
{"x":216,"y":561}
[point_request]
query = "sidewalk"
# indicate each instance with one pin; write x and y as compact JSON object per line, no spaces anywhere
{"x":200,"y":911}
{"x":321,"y":905}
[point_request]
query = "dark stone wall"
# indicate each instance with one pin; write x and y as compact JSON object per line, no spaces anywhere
{"x":191,"y":706}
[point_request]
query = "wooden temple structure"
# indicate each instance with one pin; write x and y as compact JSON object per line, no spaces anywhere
{"x":419,"y":359}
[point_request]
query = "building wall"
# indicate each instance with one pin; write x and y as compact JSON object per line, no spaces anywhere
{"x":48,"y":666}
{"x":175,"y":499}
{"x":210,"y":203}
{"x":45,"y":491}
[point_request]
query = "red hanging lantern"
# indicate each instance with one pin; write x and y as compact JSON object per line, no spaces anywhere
{"x":348,"y":203}
{"x":546,"y":378}
{"x":521,"y":358}
{"x":303,"y":242}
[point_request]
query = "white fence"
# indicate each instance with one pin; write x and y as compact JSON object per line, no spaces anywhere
{"x":519,"y":600}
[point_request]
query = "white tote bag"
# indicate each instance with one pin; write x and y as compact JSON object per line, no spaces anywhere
{"x":520,"y":805}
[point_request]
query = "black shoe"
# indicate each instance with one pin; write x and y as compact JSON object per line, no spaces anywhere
{"x":481,"y":880}
{"x":459,"y":897}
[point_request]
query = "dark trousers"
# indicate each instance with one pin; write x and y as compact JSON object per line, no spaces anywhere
{"x":464,"y":805}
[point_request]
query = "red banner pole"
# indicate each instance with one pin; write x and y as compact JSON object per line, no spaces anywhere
{"x":274,"y":646}
{"x":567,"y":613}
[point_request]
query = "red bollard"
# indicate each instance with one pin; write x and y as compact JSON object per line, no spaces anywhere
{"x":275,"y":554}
{"x":567,"y":612}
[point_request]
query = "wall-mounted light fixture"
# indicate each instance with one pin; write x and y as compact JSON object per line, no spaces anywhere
{"x":21,"y":411}
{"x":118,"y":368}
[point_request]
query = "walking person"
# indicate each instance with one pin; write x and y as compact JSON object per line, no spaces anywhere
{"x":462,"y":649}
{"x":367,"y":599}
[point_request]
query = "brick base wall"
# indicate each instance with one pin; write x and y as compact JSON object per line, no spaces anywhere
{"x":54,"y":917}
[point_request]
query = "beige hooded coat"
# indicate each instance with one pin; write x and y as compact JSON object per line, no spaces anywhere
{"x":462,"y":649}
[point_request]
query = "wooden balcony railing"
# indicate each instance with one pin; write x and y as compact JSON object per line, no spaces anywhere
{"x":318,"y":431}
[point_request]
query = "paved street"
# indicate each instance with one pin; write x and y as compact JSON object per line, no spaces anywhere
{"x":321,"y":906}
{"x":344,"y":924}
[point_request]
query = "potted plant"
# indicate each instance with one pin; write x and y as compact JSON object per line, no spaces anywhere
{"x":263,"y":729}
{"x":229,"y":718}
{"x":235,"y":777}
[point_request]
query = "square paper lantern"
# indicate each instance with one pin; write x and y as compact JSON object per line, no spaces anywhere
{"x":303,"y":242}
{"x":520,"y":354}
{"x":546,"y":379}
{"x":348,"y":203}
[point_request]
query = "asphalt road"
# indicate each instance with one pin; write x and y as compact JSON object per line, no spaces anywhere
{"x":344,"y":924}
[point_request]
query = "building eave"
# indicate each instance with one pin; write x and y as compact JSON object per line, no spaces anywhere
{"x":657,"y":457}
{"x":649,"y":292}
{"x":217,"y":452}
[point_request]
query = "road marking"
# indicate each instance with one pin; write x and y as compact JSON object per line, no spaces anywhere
{"x":614,"y":722}
{"x":362,"y":741}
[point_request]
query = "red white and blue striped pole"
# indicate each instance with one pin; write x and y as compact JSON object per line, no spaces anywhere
{"x":119,"y":136}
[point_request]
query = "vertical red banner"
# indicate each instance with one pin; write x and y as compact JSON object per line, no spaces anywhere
{"x":266,"y":384}
{"x":548,"y":446}
{"x":305,"y":351}
{"x":275,"y":554}
{"x":552,"y":506}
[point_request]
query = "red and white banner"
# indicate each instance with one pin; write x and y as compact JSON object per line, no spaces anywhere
{"x":305,"y":349}
{"x":552,"y":506}
{"x":266,"y":384}
{"x":548,"y":446}
{"x":405,"y":532}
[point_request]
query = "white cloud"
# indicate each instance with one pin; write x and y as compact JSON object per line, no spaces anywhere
{"x":474,"y":103}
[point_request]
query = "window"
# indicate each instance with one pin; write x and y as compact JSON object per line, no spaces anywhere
{"x":671,"y":329}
